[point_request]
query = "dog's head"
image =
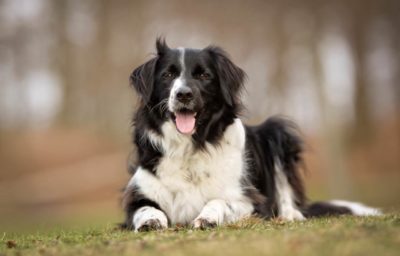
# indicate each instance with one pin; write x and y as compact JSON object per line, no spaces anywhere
{"x":190,"y":86}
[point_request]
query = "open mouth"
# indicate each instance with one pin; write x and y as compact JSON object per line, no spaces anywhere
{"x":185,"y":121}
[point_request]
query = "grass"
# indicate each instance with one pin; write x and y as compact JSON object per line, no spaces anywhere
{"x":327,"y":236}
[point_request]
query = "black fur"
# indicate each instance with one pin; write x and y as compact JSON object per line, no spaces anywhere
{"x":319,"y":209}
{"x":275,"y":140}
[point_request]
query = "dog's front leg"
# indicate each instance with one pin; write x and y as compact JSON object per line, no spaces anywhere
{"x":217,"y":212}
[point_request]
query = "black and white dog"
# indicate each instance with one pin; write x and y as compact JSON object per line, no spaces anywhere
{"x":198,"y":164}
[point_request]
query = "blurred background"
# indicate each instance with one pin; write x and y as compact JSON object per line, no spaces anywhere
{"x":66,"y":104}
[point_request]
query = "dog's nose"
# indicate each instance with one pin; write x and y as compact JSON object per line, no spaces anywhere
{"x":184,"y":94}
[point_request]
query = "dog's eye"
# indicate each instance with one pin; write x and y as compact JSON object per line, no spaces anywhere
{"x":168,"y":74}
{"x":203,"y":76}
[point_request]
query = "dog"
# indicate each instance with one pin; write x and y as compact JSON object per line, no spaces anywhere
{"x":197,"y":163}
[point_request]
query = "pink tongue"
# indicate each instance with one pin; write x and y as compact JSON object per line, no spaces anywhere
{"x":185,"y":123}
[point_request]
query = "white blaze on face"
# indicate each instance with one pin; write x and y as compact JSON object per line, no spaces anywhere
{"x":178,"y":82}
{"x":185,"y":122}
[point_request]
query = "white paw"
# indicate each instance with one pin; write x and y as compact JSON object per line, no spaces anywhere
{"x":149,"y":218}
{"x":150,"y":225}
{"x":204,"y":223}
{"x":291,"y":214}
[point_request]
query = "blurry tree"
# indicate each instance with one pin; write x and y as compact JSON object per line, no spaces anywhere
{"x":359,"y":22}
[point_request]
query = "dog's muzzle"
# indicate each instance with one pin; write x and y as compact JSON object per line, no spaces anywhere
{"x":183,"y":106}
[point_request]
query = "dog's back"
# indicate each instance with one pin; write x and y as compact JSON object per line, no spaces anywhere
{"x":278,"y":163}
{"x":275,"y":151}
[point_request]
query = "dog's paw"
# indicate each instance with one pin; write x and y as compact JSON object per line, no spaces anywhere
{"x":204,"y":223}
{"x":149,"y":218}
{"x":150,"y":225}
{"x":291,"y":215}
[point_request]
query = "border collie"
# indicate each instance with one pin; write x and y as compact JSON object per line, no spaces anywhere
{"x":198,"y":164}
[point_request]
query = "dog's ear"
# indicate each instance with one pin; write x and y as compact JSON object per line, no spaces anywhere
{"x":161,"y":46}
{"x":231,"y":77}
{"x":142,"y":78}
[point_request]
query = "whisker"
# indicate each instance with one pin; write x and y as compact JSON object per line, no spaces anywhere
{"x":160,"y":105}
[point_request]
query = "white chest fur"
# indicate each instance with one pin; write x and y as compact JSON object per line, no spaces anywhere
{"x":187,"y":178}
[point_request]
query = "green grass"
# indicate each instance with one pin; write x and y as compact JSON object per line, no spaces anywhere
{"x":327,"y":236}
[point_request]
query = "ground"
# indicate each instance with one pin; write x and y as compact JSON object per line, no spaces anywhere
{"x":327,"y":236}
